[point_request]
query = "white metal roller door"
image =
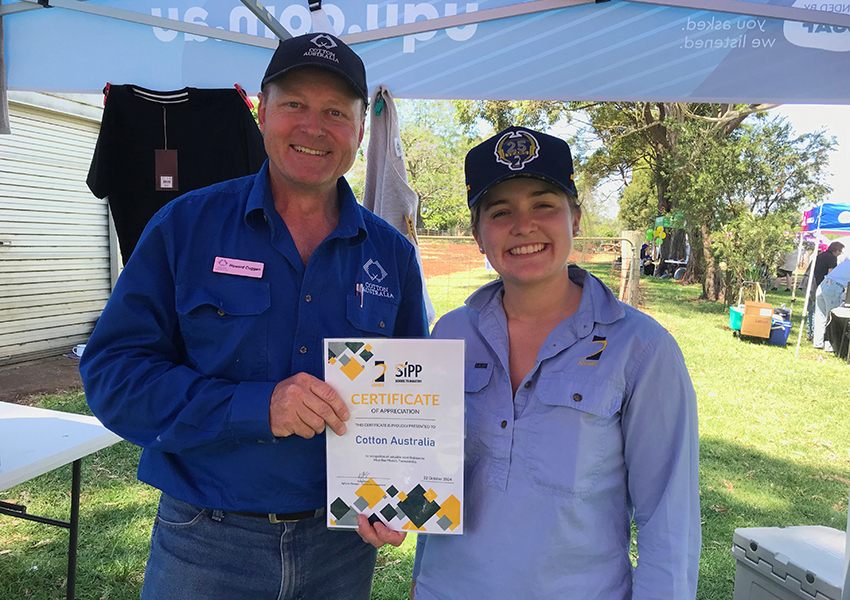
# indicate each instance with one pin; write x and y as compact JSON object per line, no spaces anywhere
{"x":55,"y":273}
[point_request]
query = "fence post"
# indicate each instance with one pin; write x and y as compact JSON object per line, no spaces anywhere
{"x":630,"y":272}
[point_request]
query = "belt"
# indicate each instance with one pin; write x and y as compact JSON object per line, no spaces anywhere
{"x":283,"y":517}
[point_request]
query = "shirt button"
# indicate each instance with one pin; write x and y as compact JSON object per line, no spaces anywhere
{"x":303,"y":350}
{"x":221,"y":313}
{"x":577,"y":397}
{"x":504,"y":424}
{"x":527,"y":384}
{"x":308,"y":298}
{"x":381,"y":324}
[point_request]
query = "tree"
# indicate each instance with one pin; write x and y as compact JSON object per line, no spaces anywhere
{"x":745,"y":192}
{"x":646,"y":135}
{"x":637,"y":199}
{"x":593,"y":206}
{"x":501,"y":114}
{"x":434,"y":149}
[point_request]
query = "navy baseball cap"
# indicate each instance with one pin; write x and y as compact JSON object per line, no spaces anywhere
{"x":321,"y":50}
{"x":518,"y":152}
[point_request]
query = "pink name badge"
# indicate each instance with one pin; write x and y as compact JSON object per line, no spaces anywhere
{"x":234,"y":266}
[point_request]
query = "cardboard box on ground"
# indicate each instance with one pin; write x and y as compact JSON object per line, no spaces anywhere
{"x":757,"y":319}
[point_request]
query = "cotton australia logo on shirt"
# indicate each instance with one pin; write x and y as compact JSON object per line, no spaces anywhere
{"x":377,"y":274}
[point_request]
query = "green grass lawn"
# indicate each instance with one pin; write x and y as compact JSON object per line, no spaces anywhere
{"x":775,"y":451}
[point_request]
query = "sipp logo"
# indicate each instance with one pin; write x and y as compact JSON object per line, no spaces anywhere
{"x":408,"y":371}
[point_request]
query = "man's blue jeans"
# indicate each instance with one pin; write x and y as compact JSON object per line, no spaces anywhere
{"x":201,"y":554}
{"x":828,"y":297}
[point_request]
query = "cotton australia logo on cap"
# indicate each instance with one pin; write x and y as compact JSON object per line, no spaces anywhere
{"x":516,"y":149}
{"x":323,"y":45}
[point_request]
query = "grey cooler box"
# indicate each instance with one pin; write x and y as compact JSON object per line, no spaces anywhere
{"x":788,"y":563}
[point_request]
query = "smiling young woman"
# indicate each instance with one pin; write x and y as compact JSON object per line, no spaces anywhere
{"x":568,"y":440}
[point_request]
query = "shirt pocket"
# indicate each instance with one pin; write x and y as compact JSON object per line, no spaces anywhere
{"x":371,"y":315}
{"x":574,"y":435}
{"x":225,"y":327}
{"x":475,"y":379}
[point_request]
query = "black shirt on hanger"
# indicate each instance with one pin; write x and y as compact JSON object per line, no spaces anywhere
{"x":212,"y":131}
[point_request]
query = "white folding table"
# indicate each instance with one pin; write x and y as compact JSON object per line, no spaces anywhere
{"x":34,"y":441}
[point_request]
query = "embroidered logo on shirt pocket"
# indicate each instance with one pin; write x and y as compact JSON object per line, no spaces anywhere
{"x":574,"y":435}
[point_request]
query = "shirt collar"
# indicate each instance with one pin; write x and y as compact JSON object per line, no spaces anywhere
{"x":255,"y":206}
{"x":597,"y":305}
{"x":261,"y":203}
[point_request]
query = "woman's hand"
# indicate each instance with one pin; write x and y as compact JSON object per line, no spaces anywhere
{"x":379,"y":534}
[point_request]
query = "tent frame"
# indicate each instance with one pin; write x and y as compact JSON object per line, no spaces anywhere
{"x":736,"y":7}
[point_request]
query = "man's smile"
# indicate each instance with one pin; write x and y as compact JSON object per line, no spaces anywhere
{"x":305,"y":150}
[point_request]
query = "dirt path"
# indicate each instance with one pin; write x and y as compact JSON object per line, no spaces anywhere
{"x":444,"y":257}
{"x":20,"y":383}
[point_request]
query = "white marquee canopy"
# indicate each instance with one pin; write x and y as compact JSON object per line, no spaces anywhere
{"x":671,"y":50}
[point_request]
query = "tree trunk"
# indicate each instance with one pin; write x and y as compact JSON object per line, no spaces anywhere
{"x":673,"y":247}
{"x":714,"y":283}
{"x":696,"y":262}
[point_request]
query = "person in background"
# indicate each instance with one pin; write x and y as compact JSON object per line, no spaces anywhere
{"x":209,"y":353}
{"x":786,"y":270}
{"x":825,"y":262}
{"x":647,"y":266}
{"x":829,"y":295}
{"x":571,"y":435}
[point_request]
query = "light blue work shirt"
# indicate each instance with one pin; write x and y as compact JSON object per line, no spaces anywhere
{"x":188,"y":350}
{"x":603,"y":430}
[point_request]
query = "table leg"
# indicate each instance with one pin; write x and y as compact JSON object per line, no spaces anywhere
{"x":846,"y":353}
{"x":74,"y":530}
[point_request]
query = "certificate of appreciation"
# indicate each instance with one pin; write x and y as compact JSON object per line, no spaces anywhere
{"x":401,"y":458}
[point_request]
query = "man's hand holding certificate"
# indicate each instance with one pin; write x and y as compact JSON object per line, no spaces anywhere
{"x":400,"y":460}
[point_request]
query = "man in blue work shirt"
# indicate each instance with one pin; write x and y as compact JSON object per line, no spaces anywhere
{"x":209,"y":352}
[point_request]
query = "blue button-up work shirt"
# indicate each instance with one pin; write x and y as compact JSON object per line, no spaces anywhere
{"x":184,"y":360}
{"x":603,"y":430}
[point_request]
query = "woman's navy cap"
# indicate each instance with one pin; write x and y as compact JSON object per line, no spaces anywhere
{"x":321,"y":50}
{"x":518,"y":152}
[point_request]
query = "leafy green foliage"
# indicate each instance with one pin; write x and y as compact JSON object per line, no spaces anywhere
{"x":434,"y":150}
{"x":746,"y":190}
{"x":637,"y":201}
{"x":501,"y":114}
{"x":703,"y":161}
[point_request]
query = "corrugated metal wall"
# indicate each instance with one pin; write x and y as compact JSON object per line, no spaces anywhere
{"x":55,"y":273}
